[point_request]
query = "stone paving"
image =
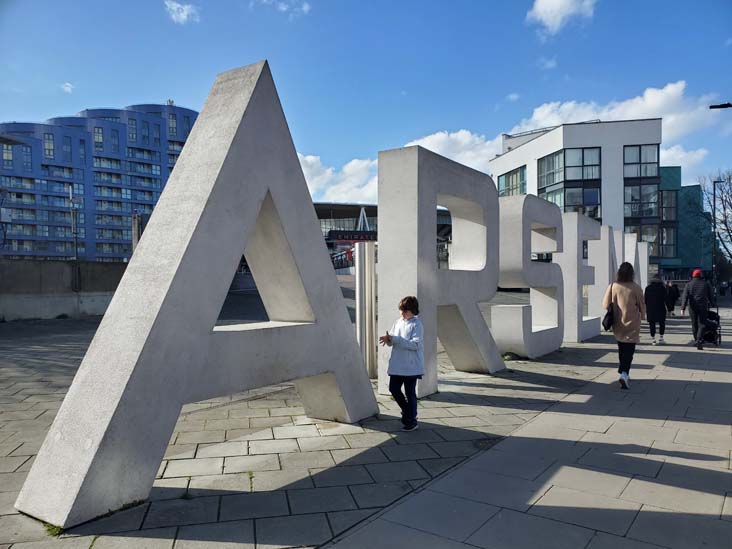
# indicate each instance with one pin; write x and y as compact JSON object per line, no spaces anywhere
{"x":571,"y":460}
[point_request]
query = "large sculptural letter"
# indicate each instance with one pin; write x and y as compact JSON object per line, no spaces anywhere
{"x":530,"y":225}
{"x":412,"y":182}
{"x":577,"y":229}
{"x":605,"y":255}
{"x":237,"y":188}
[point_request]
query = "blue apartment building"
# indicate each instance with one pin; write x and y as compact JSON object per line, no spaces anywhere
{"x":105,"y":164}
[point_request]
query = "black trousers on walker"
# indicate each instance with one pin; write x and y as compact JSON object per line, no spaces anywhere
{"x":407,"y":401}
{"x":661,"y":327}
{"x":626,"y":351}
{"x":698,"y":323}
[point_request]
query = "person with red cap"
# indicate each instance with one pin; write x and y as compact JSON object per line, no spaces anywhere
{"x":698,"y":295}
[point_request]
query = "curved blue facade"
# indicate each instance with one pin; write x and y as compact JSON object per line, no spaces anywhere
{"x":115,"y":162}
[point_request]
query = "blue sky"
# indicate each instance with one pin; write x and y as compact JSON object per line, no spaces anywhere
{"x":359,"y":77}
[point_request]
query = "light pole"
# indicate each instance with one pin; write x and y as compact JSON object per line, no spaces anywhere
{"x":75,"y":279}
{"x":714,"y":240}
{"x":721,"y":106}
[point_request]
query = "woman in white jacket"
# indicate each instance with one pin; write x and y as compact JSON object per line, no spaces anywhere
{"x":406,"y":364}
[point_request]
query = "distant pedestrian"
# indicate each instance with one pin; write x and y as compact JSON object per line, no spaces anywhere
{"x":698,"y":296}
{"x":655,"y":298}
{"x":629,"y":309}
{"x":672,"y":296}
{"x":406,"y":363}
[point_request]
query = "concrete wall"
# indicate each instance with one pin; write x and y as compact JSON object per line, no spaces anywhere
{"x":45,"y":289}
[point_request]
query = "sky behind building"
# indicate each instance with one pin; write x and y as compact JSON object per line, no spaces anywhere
{"x":358,"y":77}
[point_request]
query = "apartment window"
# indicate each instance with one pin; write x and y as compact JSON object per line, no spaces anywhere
{"x":667,"y":245}
{"x":555,"y":197}
{"x":513,"y":182}
{"x":98,"y":139}
{"x":582,"y":164}
{"x":649,"y":233}
{"x":668,"y":205}
{"x":172,"y":125}
{"x":640,"y":161}
{"x":66,"y":148}
{"x":126,"y":193}
{"x":27,"y":158}
{"x":82,"y":151}
{"x":115,"y":141}
{"x":551,"y":169}
{"x":649,"y":200}
{"x":145,"y":132}
{"x":7,"y":157}
{"x":186,"y":125}
{"x":48,"y":147}
{"x":156,"y":134}
{"x":641,"y":201}
{"x":132,"y":130}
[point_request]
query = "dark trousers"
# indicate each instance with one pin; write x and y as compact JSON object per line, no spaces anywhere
{"x":407,"y":401}
{"x":625,"y":350}
{"x":698,"y":323}
{"x":661,"y":327}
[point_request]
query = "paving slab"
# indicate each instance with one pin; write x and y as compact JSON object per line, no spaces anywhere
{"x":293,"y":531}
{"x":159,"y":538}
{"x":254,"y":505}
{"x":668,"y":495}
{"x":265,"y":481}
{"x":513,"y":530}
{"x":320,"y":500}
{"x":244,"y":464}
{"x":340,"y":521}
{"x":589,"y":510}
{"x":194,"y":467}
{"x":219,"y":485}
{"x":444,"y":515}
{"x":389,"y":535}
{"x":237,"y":534}
{"x":680,"y":530}
{"x":181,"y":512}
{"x":379,"y":494}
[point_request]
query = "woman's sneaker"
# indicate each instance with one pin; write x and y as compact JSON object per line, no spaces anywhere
{"x":624,"y":381}
{"x":653,"y":341}
{"x":661,"y":341}
{"x":409,"y":428}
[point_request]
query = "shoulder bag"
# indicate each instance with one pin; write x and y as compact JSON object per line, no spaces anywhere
{"x":609,"y":318}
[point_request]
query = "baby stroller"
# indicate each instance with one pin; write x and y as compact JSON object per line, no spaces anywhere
{"x":713,"y":329}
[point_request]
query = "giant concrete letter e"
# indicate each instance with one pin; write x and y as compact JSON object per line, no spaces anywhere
{"x":236,"y":189}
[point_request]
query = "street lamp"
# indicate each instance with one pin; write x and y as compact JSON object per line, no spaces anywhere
{"x":721,"y":106}
{"x":714,"y":240}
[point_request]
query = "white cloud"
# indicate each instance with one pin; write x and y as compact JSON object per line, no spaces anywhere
{"x":462,"y":146}
{"x":181,"y":13}
{"x":293,"y":8}
{"x":67,"y":87}
{"x":728,"y":42}
{"x":356,"y":181}
{"x":552,"y":15}
{"x":682,"y":114}
{"x":513,"y":97}
{"x":548,"y":63}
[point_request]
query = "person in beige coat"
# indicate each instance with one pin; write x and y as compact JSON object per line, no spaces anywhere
{"x":629,"y":309}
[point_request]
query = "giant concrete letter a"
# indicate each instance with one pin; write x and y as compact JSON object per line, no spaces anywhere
{"x":237,"y":188}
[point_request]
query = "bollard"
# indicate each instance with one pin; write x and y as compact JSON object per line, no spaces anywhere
{"x":366,"y":305}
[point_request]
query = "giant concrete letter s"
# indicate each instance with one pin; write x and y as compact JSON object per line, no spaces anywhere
{"x":237,"y":188}
{"x":530,"y":225}
{"x":412,"y":182}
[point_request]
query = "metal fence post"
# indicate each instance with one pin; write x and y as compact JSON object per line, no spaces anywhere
{"x":366,"y":304}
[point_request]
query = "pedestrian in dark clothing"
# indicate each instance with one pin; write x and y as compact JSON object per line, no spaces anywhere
{"x":698,"y":295}
{"x":655,"y":298}
{"x":672,"y":296}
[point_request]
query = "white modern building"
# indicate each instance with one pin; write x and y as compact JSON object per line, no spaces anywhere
{"x":606,"y":170}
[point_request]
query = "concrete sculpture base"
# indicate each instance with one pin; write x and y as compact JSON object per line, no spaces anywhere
{"x":530,"y":225}
{"x":577,"y":228}
{"x":412,"y":183}
{"x":236,"y":188}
